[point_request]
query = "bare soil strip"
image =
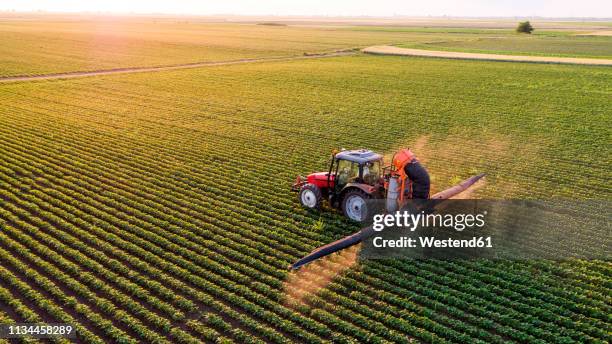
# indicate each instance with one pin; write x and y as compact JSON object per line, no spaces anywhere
{"x":596,"y":33}
{"x":390,"y":50}
{"x":80,"y":74}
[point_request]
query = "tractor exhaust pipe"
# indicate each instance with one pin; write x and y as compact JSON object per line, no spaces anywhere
{"x":366,"y":232}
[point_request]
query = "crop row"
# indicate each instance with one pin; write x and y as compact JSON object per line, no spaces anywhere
{"x":185,"y":212}
{"x":42,"y":225}
{"x":161,"y":106}
{"x":51,"y":308}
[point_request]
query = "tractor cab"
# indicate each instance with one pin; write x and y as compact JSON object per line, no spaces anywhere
{"x":356,"y":166}
{"x":354,"y":176}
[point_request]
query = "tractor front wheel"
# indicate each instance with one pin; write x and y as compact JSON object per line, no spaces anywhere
{"x":355,"y":205}
{"x":310,"y":196}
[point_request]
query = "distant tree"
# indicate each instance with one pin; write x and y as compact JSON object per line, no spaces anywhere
{"x":524,"y":27}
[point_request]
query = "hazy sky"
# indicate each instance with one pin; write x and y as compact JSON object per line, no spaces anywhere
{"x":545,"y":8}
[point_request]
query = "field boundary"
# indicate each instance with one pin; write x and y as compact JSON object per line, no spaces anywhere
{"x":391,"y":50}
{"x":80,"y":74}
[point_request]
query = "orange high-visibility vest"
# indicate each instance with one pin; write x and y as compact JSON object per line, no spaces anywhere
{"x":400,"y":160}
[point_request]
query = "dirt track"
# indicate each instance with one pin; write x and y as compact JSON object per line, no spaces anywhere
{"x":81,"y":74}
{"x":390,"y":50}
{"x":596,"y":33}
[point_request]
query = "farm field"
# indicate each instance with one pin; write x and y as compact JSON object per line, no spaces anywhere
{"x":155,"y":207}
{"x":55,"y":46}
{"x":34,"y":46}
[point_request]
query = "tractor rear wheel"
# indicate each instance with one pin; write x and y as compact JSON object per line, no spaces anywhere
{"x":355,"y":205}
{"x":310,"y":196}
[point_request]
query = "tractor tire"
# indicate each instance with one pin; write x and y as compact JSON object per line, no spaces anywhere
{"x":310,"y":196}
{"x":355,"y":205}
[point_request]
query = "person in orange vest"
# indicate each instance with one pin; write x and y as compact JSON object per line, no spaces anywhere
{"x":414,"y":177}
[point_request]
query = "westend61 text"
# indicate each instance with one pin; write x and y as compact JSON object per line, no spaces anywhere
{"x":432,"y":242}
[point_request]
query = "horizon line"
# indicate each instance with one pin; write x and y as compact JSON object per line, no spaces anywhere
{"x":314,"y":16}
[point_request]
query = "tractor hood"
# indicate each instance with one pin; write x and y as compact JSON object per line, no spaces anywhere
{"x":319,"y":176}
{"x":320,"y":179}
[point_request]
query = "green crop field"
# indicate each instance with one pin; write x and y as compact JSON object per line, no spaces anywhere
{"x":155,"y":207}
{"x":63,"y":44}
{"x":60,"y":45}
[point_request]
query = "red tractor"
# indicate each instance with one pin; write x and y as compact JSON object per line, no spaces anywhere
{"x":354,"y":177}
